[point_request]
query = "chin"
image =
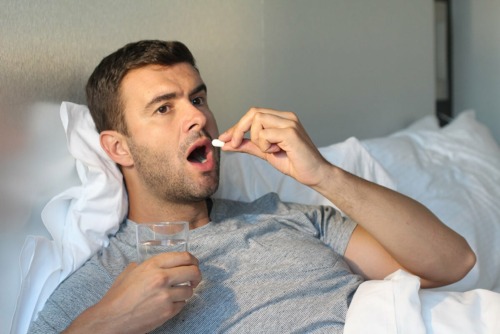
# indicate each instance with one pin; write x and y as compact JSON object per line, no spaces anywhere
{"x":207,"y":190}
{"x":212,"y":190}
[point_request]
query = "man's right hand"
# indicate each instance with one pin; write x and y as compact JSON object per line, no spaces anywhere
{"x":143,"y":297}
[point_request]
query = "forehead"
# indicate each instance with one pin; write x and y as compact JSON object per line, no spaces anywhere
{"x":147,"y":81}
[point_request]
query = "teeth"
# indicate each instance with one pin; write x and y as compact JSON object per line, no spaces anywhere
{"x":200,"y":158}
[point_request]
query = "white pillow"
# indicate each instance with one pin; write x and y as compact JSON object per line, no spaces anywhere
{"x":79,"y":219}
{"x":455,"y":172}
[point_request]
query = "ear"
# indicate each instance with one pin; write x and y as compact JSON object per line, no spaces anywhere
{"x":115,"y":146}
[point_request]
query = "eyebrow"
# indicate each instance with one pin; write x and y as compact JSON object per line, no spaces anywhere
{"x":170,"y":96}
{"x":200,"y":88}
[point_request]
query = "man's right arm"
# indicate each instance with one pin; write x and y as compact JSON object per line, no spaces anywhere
{"x":142,"y":297}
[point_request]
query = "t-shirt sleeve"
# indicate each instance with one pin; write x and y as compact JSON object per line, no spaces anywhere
{"x":71,"y":298}
{"x":52,"y":319}
{"x":328,"y":224}
{"x":334,"y":229}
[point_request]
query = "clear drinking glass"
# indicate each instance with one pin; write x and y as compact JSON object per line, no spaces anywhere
{"x":161,"y":237}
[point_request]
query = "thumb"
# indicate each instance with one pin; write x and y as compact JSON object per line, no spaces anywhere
{"x":249,"y":147}
{"x":246,"y":146}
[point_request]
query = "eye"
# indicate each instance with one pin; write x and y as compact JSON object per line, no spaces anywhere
{"x":163,"y":109}
{"x":198,"y":101}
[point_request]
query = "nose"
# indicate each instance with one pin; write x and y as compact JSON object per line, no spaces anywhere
{"x":193,"y":119}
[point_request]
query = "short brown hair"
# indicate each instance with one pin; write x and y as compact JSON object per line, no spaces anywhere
{"x":103,"y":86}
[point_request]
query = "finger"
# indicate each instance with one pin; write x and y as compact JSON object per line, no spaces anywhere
{"x":178,"y":306}
{"x":260,"y":125}
{"x":183,"y":274}
{"x":246,"y":146}
{"x":236,"y":133}
{"x":173,"y":259}
{"x":181,"y":293}
{"x":268,"y":141}
{"x":255,"y":128}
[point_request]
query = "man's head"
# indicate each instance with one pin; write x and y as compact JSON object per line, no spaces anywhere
{"x":150,"y":106}
{"x":103,"y":87}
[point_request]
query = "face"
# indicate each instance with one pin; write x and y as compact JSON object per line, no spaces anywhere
{"x":170,"y":130}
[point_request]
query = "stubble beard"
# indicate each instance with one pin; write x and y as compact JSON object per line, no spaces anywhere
{"x":168,"y":181}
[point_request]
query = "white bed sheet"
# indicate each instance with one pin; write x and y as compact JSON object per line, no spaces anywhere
{"x":397,"y":305}
{"x":455,"y":172}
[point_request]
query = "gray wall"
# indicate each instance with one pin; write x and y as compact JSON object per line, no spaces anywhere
{"x":477,"y":60}
{"x":360,"y":66}
{"x":348,"y":68}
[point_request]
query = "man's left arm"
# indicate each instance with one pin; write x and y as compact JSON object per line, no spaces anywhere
{"x":394,"y":231}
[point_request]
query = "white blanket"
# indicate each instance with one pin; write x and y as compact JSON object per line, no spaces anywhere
{"x":398,"y":305}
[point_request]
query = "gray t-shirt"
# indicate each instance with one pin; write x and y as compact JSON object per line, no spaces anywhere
{"x":267,"y":267}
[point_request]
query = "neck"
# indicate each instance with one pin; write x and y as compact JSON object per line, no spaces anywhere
{"x":196,"y":213}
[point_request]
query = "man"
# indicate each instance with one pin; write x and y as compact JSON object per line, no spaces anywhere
{"x":267,"y":266}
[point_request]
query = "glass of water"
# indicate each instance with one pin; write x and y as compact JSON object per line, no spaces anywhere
{"x":156,"y":238}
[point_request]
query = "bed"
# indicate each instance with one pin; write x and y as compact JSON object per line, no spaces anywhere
{"x":364,"y":114}
{"x":454,"y":170}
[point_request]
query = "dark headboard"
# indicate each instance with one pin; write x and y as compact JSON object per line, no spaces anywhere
{"x":444,"y":61}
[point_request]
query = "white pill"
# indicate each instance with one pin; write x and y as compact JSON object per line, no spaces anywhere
{"x":217,"y":143}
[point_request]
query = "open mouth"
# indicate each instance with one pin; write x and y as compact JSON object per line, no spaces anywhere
{"x":198,"y":155}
